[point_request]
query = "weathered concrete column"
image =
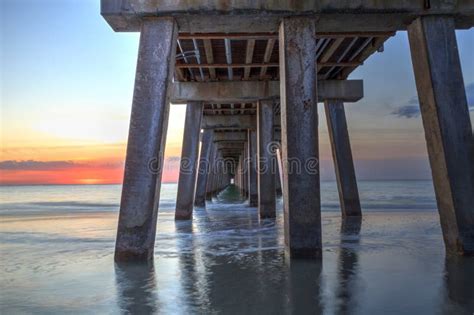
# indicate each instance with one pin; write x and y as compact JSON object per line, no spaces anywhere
{"x":448,"y":129}
{"x":266,"y":160}
{"x":342,"y":156}
{"x":238,"y":176}
{"x":189,"y":162}
{"x":245,"y":170}
{"x":241,"y":174}
{"x":215,"y":188}
{"x":278,"y":175}
{"x":299,"y":136}
{"x":146,"y":141}
{"x":212,"y":172}
{"x":204,"y":168}
{"x":277,"y":180}
{"x":253,"y":189}
{"x":215,"y":177}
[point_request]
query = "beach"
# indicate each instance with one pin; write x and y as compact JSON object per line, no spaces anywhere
{"x":57,"y":245}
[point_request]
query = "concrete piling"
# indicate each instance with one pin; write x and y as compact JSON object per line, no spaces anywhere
{"x":252,"y":168}
{"x":448,"y":129}
{"x":146,"y":141}
{"x":266,"y":160}
{"x":204,"y":168}
{"x":212,"y":172}
{"x":299,"y":136}
{"x":342,"y":156}
{"x":189,"y":162}
{"x":329,"y":53}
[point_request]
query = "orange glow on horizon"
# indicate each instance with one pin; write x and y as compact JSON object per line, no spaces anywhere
{"x":90,"y":175}
{"x":89,"y":149}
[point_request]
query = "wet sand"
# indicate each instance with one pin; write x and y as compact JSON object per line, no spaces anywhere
{"x":227,"y":261}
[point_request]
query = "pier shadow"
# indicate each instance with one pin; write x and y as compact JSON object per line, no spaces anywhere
{"x":459,"y":284}
{"x":348,"y":264}
{"x":136,"y":285}
{"x":304,"y":286}
{"x":233,"y":263}
{"x":192,"y":266}
{"x":257,"y":282}
{"x":220,"y":279}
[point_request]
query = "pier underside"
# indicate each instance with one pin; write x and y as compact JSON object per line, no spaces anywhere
{"x":251,"y":74}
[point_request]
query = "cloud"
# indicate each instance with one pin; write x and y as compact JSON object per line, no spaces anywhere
{"x":34,"y":165}
{"x":37,"y":165}
{"x":407,"y":111}
{"x":411,"y":109}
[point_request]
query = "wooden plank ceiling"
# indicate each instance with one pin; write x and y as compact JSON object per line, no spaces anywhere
{"x":236,"y":57}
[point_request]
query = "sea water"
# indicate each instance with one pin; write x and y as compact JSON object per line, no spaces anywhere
{"x":57,"y":245}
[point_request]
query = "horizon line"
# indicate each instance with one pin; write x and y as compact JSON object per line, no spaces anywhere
{"x":114,"y":184}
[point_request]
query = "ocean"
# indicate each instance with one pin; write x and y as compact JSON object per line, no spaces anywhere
{"x":57,"y":244}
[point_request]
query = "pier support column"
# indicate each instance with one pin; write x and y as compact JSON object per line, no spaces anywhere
{"x":238,"y":176}
{"x":211,"y":175}
{"x":245,"y":170}
{"x":342,"y":156}
{"x":146,"y":141}
{"x":253,"y":189}
{"x":189,"y":161}
{"x":204,"y":168}
{"x":299,"y":136}
{"x":266,"y":160}
{"x":277,"y":179}
{"x":448,"y":129}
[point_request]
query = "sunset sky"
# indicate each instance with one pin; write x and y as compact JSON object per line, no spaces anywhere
{"x":66,"y":91}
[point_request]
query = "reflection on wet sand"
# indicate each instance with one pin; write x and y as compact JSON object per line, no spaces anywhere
{"x":248,"y":273}
{"x":458,"y":281}
{"x":259,"y":282}
{"x":192,"y":267}
{"x":228,"y":261}
{"x":348,"y":263}
{"x":305,"y":287}
{"x":136,"y":288}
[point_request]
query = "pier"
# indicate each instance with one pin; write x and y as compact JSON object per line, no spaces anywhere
{"x":251,"y":74}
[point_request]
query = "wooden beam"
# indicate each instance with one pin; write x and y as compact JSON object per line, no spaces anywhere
{"x":342,"y":56}
{"x":330,"y":51}
{"x":267,"y":56}
{"x":228,"y":56}
{"x":224,"y":110}
{"x":209,"y":57}
{"x":262,"y":65}
{"x":249,"y":57}
{"x":179,"y":74}
{"x":369,"y":50}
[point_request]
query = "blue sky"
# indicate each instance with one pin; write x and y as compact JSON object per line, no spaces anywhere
{"x":67,"y":80}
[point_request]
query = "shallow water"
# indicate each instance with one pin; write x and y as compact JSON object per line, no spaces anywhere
{"x":56,"y":247}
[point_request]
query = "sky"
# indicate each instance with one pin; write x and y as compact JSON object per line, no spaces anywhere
{"x":66,"y":92}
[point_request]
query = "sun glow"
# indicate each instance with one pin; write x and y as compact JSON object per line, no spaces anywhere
{"x":91,"y":181}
